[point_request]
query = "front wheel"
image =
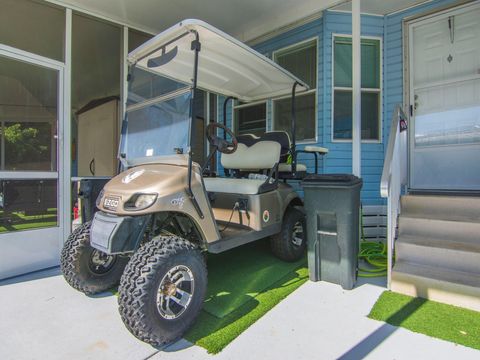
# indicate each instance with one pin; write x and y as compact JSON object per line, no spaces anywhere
{"x":162,"y":289}
{"x":87,"y":269}
{"x":290,"y":244}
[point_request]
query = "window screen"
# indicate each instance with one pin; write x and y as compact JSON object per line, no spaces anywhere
{"x":300,"y":60}
{"x":251,"y":119}
{"x":371,"y":92}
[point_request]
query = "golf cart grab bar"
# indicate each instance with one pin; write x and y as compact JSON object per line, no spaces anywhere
{"x":196,"y":46}
{"x":225,"y":114}
{"x":293,"y":145}
{"x":161,"y":98}
{"x":226,"y":171}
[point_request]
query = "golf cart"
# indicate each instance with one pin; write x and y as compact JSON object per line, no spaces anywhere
{"x":159,"y":217}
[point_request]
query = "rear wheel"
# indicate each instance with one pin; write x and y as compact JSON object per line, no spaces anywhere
{"x":290,"y":244}
{"x":162,"y":289}
{"x":87,"y":269}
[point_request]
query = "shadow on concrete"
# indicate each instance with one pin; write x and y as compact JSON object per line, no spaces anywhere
{"x":380,"y":281}
{"x":35,"y":275}
{"x":372,"y":341}
{"x":181,"y":344}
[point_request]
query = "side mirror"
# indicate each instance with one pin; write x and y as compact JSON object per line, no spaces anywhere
{"x":163,"y":59}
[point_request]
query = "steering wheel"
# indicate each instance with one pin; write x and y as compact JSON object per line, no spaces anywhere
{"x":224,"y":146}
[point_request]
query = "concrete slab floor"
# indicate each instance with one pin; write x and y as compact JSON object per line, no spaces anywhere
{"x":41,"y":317}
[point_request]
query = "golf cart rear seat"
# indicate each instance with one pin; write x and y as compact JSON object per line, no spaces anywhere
{"x":285,"y":166}
{"x":262,"y":155}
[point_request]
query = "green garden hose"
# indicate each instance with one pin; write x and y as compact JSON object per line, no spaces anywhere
{"x":373,"y":253}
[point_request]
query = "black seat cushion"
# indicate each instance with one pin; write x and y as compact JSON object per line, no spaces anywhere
{"x":279,"y":136}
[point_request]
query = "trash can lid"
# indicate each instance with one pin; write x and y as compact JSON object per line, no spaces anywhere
{"x":331,"y":180}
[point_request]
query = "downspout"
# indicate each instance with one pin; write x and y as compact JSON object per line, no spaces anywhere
{"x":356,"y":90}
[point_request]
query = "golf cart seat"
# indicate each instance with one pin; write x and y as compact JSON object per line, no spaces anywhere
{"x":262,"y":155}
{"x":283,"y":138}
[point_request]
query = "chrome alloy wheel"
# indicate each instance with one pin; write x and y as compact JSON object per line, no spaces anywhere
{"x":297,"y":234}
{"x":175,"y":292}
{"x":100,"y":263}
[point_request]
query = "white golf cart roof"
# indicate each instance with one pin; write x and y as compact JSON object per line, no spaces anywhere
{"x":226,"y":66}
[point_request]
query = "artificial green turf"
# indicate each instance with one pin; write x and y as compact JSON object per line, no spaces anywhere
{"x":20,"y":221}
{"x":447,"y":322}
{"x":226,"y":276}
{"x":237,"y":276}
{"x":213,"y":333}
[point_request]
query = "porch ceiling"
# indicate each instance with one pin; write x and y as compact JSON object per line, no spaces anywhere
{"x":380,"y":7}
{"x":244,"y":20}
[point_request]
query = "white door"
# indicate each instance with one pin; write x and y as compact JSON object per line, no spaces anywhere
{"x":445,"y":101}
{"x":30,"y":207}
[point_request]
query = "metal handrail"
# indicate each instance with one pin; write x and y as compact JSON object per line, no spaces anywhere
{"x":387,"y":163}
{"x":394,"y":177}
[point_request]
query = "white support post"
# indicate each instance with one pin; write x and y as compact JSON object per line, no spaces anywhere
{"x":123,"y":74}
{"x":65,"y":144}
{"x":356,"y":90}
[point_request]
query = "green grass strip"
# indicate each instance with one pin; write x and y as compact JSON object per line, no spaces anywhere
{"x":238,"y":275}
{"x":442,"y":321}
{"x":213,"y":333}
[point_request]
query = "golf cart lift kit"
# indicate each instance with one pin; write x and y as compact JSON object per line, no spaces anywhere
{"x":158,"y":216}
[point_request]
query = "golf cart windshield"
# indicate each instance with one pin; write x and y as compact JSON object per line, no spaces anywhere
{"x":157,"y":119}
{"x":196,"y":55}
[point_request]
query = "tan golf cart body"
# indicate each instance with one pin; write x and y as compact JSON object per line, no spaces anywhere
{"x":226,"y":67}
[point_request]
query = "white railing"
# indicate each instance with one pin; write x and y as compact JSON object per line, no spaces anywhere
{"x":394,"y":178}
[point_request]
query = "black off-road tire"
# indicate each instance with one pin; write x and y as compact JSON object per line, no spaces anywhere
{"x":282,"y":244}
{"x":140,"y":284}
{"x":76,"y":266}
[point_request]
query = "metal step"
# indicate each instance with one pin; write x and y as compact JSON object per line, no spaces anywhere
{"x":467,"y":232}
{"x":446,"y":253}
{"x":437,"y":283}
{"x":457,"y":208}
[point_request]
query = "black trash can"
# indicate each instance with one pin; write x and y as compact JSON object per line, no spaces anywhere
{"x":88,"y":190}
{"x":332,"y":205}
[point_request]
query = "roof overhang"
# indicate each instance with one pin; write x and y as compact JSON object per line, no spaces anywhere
{"x":225,"y":66}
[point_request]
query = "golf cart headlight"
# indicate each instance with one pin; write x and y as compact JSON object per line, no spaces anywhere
{"x":99,"y":198}
{"x":143,"y":201}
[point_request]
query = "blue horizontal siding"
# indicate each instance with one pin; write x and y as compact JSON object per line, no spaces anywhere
{"x":339,"y":158}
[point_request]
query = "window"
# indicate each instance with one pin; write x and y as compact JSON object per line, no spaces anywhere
{"x":96,"y":80}
{"x":33,"y":26}
{"x":342,"y":89}
{"x":136,"y":38}
{"x":300,"y":60}
{"x":250,"y":118}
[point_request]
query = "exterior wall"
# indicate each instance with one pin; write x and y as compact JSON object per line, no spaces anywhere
{"x":389,"y":30}
{"x":339,"y":159}
{"x":393,"y":55}
{"x":312,"y":30}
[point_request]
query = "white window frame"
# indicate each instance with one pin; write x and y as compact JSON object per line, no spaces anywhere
{"x":315,"y":39}
{"x":378,"y":91}
{"x":237,"y":106}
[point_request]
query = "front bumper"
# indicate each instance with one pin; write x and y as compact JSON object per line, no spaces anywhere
{"x":113,"y":234}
